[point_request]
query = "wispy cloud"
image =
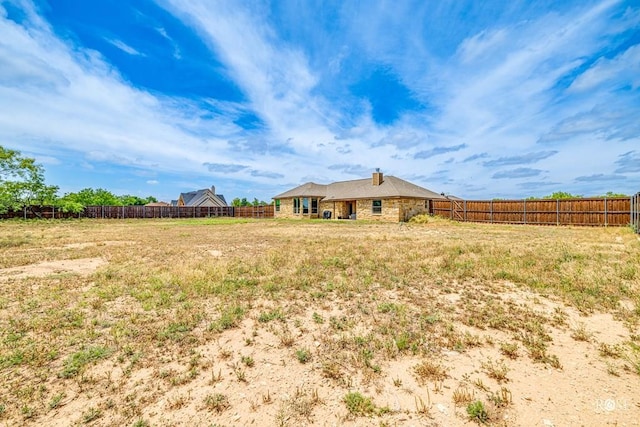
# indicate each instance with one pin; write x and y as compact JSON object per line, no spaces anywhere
{"x":438,"y":150}
{"x":600,"y":177}
{"x":534,"y":185}
{"x":523,"y":159}
{"x":124,"y":47}
{"x":628,"y":162}
{"x":266,"y":174}
{"x":517,"y":173}
{"x":476,"y":157}
{"x":224,"y":168}
{"x":350,"y":169}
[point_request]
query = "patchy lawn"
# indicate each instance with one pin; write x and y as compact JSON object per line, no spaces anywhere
{"x":226,"y":322}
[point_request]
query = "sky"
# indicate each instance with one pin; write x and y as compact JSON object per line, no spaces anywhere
{"x":481,"y":100}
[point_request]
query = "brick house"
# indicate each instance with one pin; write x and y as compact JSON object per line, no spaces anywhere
{"x":380,"y":198}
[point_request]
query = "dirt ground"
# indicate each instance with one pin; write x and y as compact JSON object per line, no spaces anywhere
{"x":278,"y":371}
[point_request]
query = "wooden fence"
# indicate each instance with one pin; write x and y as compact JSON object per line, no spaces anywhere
{"x":593,"y":211}
{"x":132,"y":212}
{"x":635,"y":212}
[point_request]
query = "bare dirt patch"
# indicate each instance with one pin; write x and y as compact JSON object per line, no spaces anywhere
{"x":83,"y":266}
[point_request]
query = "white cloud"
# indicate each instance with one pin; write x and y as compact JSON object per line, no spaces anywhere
{"x":622,"y":70}
{"x":55,"y":93}
{"x":153,"y":182}
{"x":124,"y":47}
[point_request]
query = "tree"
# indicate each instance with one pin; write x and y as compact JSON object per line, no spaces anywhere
{"x":563,"y":195}
{"x":102,"y":197}
{"x":22,"y":182}
{"x":611,"y":194}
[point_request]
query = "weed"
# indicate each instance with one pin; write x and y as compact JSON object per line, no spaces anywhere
{"x":303,"y":355}
{"x":359,"y":405}
{"x":580,"y":333}
{"x":509,"y":349}
{"x":229,"y":318}
{"x":421,"y":407}
{"x":286,"y":338}
{"x":429,"y":370}
{"x":496,"y":370}
{"x":614,"y":351}
{"x":248,"y":361}
{"x":28,"y":412}
{"x":276,"y":314}
{"x":317,"y":318}
{"x":140,"y":423}
{"x":477,"y":412}
{"x":462,"y":396}
{"x":55,"y":400}
{"x":75,"y":363}
{"x":332,"y":370}
{"x":241,"y":376}
{"x":91,"y":414}
{"x":217,"y":402}
{"x":501,"y":398}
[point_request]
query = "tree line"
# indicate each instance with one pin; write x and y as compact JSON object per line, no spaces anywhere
{"x":22,"y":184}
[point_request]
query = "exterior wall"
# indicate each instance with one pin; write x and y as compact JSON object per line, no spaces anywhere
{"x":393,"y":210}
{"x":286,"y":210}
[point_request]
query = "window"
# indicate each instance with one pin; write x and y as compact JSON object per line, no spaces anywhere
{"x":277,"y":205}
{"x":376,"y":207}
{"x":296,"y":206}
{"x":314,"y":206}
{"x":305,"y":206}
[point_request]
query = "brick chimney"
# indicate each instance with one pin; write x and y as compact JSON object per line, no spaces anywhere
{"x":377,"y":177}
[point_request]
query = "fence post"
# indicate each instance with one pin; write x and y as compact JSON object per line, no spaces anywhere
{"x":524,"y":210}
{"x":557,"y":212}
{"x":605,"y":212}
{"x":491,"y":211}
{"x":465,"y":210}
{"x":24,"y":212}
{"x":451,"y":211}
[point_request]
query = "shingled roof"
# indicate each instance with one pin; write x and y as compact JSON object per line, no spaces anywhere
{"x":204,"y":197}
{"x":390,"y":187}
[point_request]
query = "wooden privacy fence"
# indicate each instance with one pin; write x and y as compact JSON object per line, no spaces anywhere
{"x":635,"y":212}
{"x":593,"y":211}
{"x":137,"y":212}
{"x":39,"y":212}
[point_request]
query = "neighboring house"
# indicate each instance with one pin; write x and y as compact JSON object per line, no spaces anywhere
{"x":157,"y":204}
{"x":206,"y":197}
{"x":379,"y":198}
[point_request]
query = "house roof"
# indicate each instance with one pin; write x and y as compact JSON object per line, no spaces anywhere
{"x":391,"y":187}
{"x":308,"y":189}
{"x":204,"y":197}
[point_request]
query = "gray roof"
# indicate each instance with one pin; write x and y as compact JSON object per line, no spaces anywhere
{"x":391,"y":187}
{"x":204,"y":197}
{"x":309,"y":189}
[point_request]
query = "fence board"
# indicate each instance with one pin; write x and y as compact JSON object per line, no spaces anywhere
{"x":592,"y":211}
{"x":137,"y":212}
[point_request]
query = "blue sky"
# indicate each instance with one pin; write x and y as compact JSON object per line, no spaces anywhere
{"x":487,"y":99}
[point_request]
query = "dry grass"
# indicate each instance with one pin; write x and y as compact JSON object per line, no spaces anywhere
{"x":349,"y":298}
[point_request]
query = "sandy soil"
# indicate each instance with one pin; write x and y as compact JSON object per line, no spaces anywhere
{"x":215,"y":385}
